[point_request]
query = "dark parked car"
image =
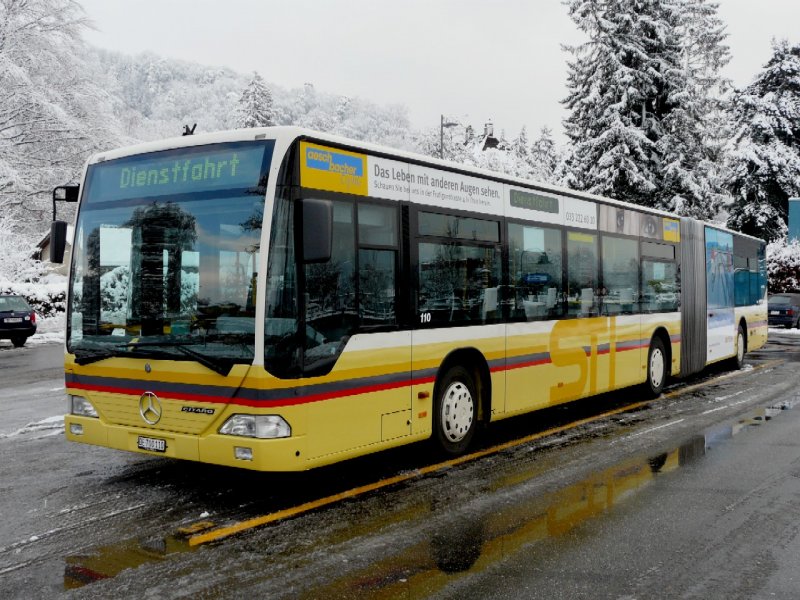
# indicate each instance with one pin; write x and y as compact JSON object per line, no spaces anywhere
{"x":784,"y":310}
{"x":17,"y":319}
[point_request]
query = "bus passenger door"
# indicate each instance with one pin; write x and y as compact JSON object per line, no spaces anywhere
{"x":457,"y":306}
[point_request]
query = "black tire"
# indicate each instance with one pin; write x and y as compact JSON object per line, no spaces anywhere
{"x":657,"y":368}
{"x":18,"y":342}
{"x":737,"y":362}
{"x":455,"y":415}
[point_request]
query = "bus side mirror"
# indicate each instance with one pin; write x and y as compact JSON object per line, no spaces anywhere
{"x":58,"y":229}
{"x":317,"y":230}
{"x":58,"y":241}
{"x":66,"y":193}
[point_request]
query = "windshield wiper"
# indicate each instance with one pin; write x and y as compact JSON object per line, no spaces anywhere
{"x":218,"y":365}
{"x":85,"y":357}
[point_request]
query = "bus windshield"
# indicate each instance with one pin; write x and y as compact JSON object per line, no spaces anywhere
{"x":165,"y":255}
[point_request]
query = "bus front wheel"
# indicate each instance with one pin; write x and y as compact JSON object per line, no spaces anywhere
{"x":656,"y":368}
{"x":456,"y":411}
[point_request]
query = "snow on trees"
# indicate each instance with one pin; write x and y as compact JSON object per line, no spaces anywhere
{"x":692,"y":183}
{"x":638,"y":94}
{"x":615,"y":93}
{"x":255,"y":107}
{"x":52,"y":114}
{"x":647,"y":123}
{"x":783,"y":265}
{"x":764,"y":154}
{"x":544,"y":157}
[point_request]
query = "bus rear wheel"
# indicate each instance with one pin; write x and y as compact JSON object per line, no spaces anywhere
{"x":456,"y":411}
{"x":737,"y":362}
{"x":656,"y":368}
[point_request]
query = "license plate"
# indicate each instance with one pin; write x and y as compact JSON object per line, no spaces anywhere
{"x":774,"y":312}
{"x":151,"y":444}
{"x":13,"y":320}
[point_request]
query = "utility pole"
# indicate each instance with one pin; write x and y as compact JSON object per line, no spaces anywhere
{"x":448,"y":124}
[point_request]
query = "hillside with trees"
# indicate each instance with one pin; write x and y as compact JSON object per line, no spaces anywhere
{"x":651,"y":120}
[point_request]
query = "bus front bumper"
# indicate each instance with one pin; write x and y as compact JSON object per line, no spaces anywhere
{"x":284,"y":454}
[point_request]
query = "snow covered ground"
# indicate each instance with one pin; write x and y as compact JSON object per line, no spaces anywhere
{"x":775,"y":330}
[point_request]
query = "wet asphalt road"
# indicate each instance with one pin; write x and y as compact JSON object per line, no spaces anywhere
{"x":693,"y":495}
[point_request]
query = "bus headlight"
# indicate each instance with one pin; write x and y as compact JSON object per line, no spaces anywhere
{"x":78,"y":405}
{"x":257,"y":426}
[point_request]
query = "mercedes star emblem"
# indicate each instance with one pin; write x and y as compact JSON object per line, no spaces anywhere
{"x":150,"y":408}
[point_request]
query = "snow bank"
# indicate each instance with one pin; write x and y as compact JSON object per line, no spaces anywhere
{"x":48,"y":298}
{"x":776,"y":330}
{"x":48,"y":426}
{"x":47,"y":295}
{"x":783,"y":264}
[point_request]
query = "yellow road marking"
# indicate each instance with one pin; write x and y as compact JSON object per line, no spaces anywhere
{"x":223,"y":532}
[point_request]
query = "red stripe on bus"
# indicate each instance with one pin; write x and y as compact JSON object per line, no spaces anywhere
{"x":532,"y":363}
{"x":307,"y":399}
{"x":257,"y":403}
{"x":138,"y":392}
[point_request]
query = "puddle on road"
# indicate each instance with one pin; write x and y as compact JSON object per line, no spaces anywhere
{"x":468,"y":540}
{"x":491,"y":536}
{"x":106,"y":562}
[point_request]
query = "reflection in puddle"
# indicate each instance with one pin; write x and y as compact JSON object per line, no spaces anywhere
{"x":108,"y":561}
{"x":458,"y":547}
{"x":461,"y":538}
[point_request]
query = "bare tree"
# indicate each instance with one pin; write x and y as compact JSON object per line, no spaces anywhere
{"x":52,"y":112}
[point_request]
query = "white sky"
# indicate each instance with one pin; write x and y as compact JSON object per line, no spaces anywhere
{"x":470,"y":59}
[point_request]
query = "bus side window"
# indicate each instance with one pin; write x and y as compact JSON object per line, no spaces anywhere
{"x":535,"y":272}
{"x":741,"y":281}
{"x":661,"y":287}
{"x":330,"y":290}
{"x":582,"y":274}
{"x":458,"y":283}
{"x":377,"y":259}
{"x":620,"y":276}
{"x":459,"y":270}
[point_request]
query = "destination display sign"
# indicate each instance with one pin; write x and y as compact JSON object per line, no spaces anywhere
{"x":218,"y":167}
{"x":531,"y":201}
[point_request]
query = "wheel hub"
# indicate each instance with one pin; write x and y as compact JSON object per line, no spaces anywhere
{"x":457,"y":411}
{"x":656,"y":368}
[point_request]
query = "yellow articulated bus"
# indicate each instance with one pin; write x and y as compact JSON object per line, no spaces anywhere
{"x":280,"y":299}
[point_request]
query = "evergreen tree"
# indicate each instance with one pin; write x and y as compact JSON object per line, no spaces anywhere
{"x":639,"y":94}
{"x":255,"y":105}
{"x":617,"y":96}
{"x":343,"y":108}
{"x":783,"y":265}
{"x":544,"y":157}
{"x":520,"y":149}
{"x":764,"y":156}
{"x":692,"y":183}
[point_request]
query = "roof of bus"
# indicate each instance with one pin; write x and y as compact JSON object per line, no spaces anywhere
{"x":289,"y":134}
